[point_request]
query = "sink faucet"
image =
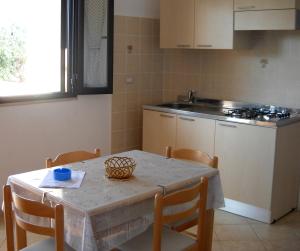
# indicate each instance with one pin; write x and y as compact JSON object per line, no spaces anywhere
{"x":191,"y":96}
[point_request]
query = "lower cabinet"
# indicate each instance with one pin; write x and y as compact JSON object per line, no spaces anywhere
{"x":159,"y":131}
{"x":246,"y":162}
{"x":195,"y":133}
{"x":165,"y":129}
{"x":259,"y":166}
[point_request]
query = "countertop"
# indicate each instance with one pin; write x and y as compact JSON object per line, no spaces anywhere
{"x":216,"y":110}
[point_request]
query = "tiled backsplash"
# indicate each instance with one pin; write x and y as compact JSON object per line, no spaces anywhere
{"x":137,"y":60}
{"x":269,"y":72}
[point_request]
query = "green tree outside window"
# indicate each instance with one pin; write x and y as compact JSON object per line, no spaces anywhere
{"x":12,"y":54}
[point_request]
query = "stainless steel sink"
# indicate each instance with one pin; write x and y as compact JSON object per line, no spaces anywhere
{"x":177,"y":106}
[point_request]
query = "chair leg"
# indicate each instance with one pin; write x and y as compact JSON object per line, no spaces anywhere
{"x":208,"y":234}
{"x":21,"y":238}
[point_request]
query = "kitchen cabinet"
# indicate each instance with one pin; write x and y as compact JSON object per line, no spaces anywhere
{"x":198,"y":24}
{"x":258,"y":168}
{"x":246,"y":157}
{"x":159,"y":131}
{"x":266,"y":15}
{"x":243,"y":5}
{"x":177,"y":23}
{"x":195,"y":133}
{"x":164,"y":129}
{"x":214,"y":24}
{"x":259,"y":165}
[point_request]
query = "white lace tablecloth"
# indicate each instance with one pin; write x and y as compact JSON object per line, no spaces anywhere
{"x":104,"y":213}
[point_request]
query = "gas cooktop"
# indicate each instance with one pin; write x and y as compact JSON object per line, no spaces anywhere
{"x":270,"y":113}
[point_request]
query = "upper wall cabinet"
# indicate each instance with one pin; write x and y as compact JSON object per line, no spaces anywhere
{"x":244,"y":5}
{"x":266,"y":14}
{"x":214,"y":24}
{"x":198,"y":24}
{"x":177,"y":23}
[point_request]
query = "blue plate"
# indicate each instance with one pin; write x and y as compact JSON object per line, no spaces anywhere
{"x":62,"y":174}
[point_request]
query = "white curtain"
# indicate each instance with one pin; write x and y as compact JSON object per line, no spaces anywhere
{"x":95,"y":43}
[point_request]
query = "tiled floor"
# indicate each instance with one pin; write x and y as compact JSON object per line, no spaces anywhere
{"x":235,"y":233}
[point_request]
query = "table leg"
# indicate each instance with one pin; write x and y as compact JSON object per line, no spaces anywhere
{"x":208,"y":235}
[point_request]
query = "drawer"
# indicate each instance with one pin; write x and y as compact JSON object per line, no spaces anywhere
{"x":266,"y":20}
{"x":244,"y":5}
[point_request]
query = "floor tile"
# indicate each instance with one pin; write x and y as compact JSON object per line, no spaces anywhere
{"x":2,"y":230}
{"x":225,"y":218}
{"x":235,"y":233}
{"x":291,"y":217}
{"x":193,"y":230}
{"x":216,"y":246}
{"x":282,"y":245}
{"x":242,"y":246}
{"x":276,"y":232}
{"x":3,"y":246}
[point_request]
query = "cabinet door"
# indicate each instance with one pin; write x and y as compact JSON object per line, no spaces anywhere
{"x":266,"y":20}
{"x":177,"y":19}
{"x":214,"y":24}
{"x":246,"y":162}
{"x":159,"y":131}
{"x":242,"y":5}
{"x":167,"y":132}
{"x":195,"y":133}
{"x":150,"y":131}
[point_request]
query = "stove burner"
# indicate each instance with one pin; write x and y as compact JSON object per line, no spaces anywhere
{"x":262,"y":114}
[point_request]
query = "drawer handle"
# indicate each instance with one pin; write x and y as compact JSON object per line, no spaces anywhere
{"x":230,"y":126}
{"x":246,"y":7}
{"x":187,"y":119}
{"x":166,"y":116}
{"x":204,"y":45}
{"x":183,"y":46}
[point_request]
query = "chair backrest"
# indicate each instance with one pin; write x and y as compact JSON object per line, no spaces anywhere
{"x":198,"y":193}
{"x":192,"y":155}
{"x":33,"y":208}
{"x":71,"y":157}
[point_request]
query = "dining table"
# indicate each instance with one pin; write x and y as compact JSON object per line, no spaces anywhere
{"x":104,"y":213}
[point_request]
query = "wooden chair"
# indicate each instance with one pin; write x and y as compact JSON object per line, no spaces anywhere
{"x":34,"y":208}
{"x":71,"y":157}
{"x":192,"y":155}
{"x":159,"y":237}
{"x":195,"y":156}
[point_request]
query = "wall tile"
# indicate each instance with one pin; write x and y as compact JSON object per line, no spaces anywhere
{"x":132,"y":25}
{"x":144,"y":65}
{"x":239,"y":74}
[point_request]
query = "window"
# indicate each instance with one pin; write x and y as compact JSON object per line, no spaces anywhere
{"x":55,"y":48}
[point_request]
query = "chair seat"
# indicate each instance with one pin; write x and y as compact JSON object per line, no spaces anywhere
{"x":171,"y":241}
{"x":46,"y":245}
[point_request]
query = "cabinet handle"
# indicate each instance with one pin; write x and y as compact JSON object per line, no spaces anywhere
{"x":230,"y":126}
{"x":187,"y":119}
{"x":204,"y":45}
{"x":183,"y":45}
{"x":246,"y":7}
{"x":167,"y":116}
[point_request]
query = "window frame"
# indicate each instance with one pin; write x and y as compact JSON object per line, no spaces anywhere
{"x":81,"y":89}
{"x":73,"y":41}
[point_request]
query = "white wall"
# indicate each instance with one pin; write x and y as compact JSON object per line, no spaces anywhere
{"x":137,"y":8}
{"x":29,"y":133}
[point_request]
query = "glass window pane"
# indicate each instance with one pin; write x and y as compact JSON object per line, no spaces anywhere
{"x":95,"y":43}
{"x":30,"y":47}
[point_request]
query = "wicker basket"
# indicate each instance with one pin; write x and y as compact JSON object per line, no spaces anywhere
{"x":119,"y":167}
